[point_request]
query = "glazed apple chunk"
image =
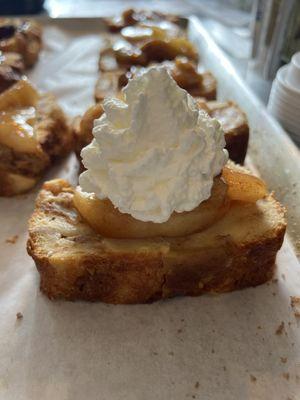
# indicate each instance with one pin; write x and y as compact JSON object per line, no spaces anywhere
{"x":33,"y":132}
{"x":18,"y":115}
{"x":232,"y":185}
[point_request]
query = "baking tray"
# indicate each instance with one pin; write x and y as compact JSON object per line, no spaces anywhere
{"x":241,"y":345}
{"x":271,"y":151}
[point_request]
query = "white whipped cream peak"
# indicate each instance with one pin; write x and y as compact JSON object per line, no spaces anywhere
{"x":155,"y":152}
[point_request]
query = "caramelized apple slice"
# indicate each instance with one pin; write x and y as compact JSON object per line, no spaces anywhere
{"x":20,"y":95}
{"x":185,"y":73}
{"x":87,"y":121}
{"x":108,"y":221}
{"x":16,"y":130}
{"x":17,"y":117}
{"x":243,"y":186}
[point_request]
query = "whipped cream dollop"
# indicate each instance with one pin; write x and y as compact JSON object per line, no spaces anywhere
{"x":155,"y":152}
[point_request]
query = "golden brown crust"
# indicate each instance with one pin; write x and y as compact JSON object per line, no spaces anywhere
{"x":76,"y":263}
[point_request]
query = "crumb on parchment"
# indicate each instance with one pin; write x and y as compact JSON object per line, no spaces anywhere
{"x":19,"y":315}
{"x":253,"y":378}
{"x":280,"y":329}
{"x":295,"y":304}
{"x":286,"y":376}
{"x":12,"y":239}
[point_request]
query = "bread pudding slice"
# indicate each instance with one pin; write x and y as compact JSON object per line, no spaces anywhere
{"x":229,"y":114}
{"x":235,"y":125}
{"x":184,"y":72}
{"x":76,"y":263}
{"x":33,"y":133}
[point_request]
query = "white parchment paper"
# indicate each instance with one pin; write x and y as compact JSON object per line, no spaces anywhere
{"x":212,"y":347}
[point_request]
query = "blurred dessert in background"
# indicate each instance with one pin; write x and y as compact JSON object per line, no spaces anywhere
{"x":34,"y":132}
{"x":21,"y":36}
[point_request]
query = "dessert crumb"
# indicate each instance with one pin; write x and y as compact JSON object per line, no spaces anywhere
{"x":280,"y":329}
{"x":295,"y":304}
{"x":283,"y":360}
{"x":12,"y":239}
{"x":224,"y":368}
{"x":171,"y":353}
{"x":253,"y":378}
{"x":213,"y":351}
{"x":286,"y":375}
{"x":259,"y":327}
{"x":179,"y":330}
{"x":197,"y":384}
{"x":283,"y":276}
{"x":19,"y":315}
{"x":275,"y":280}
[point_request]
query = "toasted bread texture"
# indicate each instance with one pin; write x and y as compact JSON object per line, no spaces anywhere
{"x":76,"y":263}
